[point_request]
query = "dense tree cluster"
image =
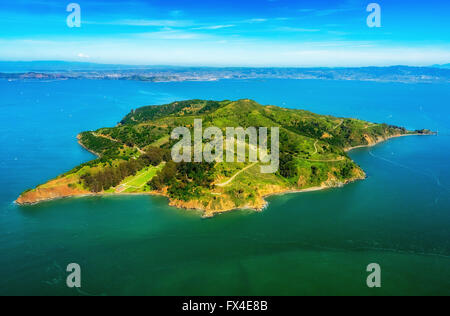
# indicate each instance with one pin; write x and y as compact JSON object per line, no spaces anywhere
{"x":184,"y":179}
{"x":150,"y":113}
{"x":288,"y":168}
{"x":210,"y":106}
{"x":112,"y":176}
{"x":311,"y":129}
{"x":288,"y":150}
{"x":100,"y":145}
{"x":347,"y":170}
{"x":154,"y":156}
{"x":201,"y":174}
{"x":132,"y":135}
{"x":164,"y":177}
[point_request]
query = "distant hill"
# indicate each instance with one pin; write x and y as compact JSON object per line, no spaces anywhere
{"x":73,"y":70}
{"x":134,"y":157}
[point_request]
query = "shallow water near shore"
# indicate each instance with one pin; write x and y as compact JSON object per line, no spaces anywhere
{"x":308,"y":243}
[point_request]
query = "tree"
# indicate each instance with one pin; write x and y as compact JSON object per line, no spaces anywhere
{"x":288,"y":169}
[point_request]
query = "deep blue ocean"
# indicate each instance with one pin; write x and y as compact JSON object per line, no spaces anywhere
{"x":309,"y":243}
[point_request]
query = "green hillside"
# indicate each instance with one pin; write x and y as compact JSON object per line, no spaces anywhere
{"x":135,"y":156}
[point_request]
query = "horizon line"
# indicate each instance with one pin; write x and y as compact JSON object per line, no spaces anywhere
{"x":222,"y":66}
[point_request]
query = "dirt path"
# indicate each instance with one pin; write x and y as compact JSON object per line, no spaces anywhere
{"x":115,"y":140}
{"x":234,"y":177}
{"x":342,"y":122}
{"x":329,"y":160}
{"x":316,"y":150}
{"x":315,"y":147}
{"x":105,"y":136}
{"x":326,"y":160}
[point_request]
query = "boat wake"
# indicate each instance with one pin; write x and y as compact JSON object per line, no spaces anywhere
{"x":428,"y":175}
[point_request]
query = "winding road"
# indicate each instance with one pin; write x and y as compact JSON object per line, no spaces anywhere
{"x":234,"y":177}
{"x":316,"y":150}
{"x":117,"y":141}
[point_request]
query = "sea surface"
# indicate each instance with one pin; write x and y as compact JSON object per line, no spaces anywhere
{"x":302,"y":244}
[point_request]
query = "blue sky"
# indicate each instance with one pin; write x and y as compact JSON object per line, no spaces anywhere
{"x":228,"y":32}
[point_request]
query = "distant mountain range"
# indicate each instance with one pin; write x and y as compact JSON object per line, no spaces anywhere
{"x":59,"y":70}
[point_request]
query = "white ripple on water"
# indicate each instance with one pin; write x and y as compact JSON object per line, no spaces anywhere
{"x":428,"y":175}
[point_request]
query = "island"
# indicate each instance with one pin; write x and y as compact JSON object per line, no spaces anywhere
{"x":134,"y":157}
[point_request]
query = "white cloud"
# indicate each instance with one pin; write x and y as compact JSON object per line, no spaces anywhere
{"x":256,"y":20}
{"x":297,"y":29}
{"x":154,"y":49}
{"x":81,"y":55}
{"x":326,"y":12}
{"x":161,"y":23}
{"x":171,"y":35}
{"x":214,"y":27}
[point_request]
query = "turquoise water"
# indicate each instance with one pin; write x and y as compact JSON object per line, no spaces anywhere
{"x":309,"y":243}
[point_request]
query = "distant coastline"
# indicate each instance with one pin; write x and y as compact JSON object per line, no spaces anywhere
{"x":77,"y":71}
